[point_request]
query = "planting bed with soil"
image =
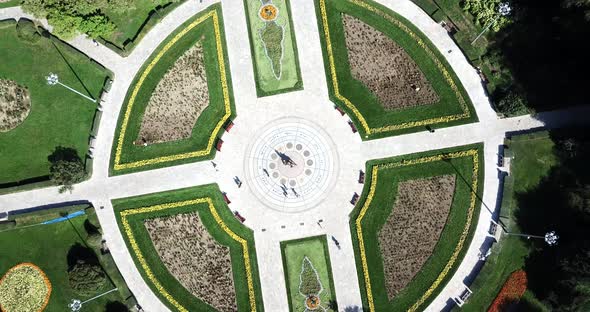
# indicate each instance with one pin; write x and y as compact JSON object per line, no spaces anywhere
{"x":384,"y":67}
{"x":194,"y":258}
{"x":15,"y":104}
{"x":178,"y":100}
{"x":408,"y":237}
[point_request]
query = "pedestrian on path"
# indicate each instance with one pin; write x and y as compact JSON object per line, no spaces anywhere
{"x":238,"y":181}
{"x":336,"y":242}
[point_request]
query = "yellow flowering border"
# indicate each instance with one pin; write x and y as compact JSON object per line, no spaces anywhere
{"x":358,"y":222}
{"x":224,"y":85}
{"x":405,"y":125}
{"x":144,"y":265}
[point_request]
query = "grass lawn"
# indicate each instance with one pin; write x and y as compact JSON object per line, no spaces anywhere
{"x":532,"y":159}
{"x":58,"y":117}
{"x":376,"y":204}
{"x":128,"y":157}
{"x":10,"y":3}
{"x":133,"y":23}
{"x":245,"y":275}
{"x":47,"y":246}
{"x":266,"y":81}
{"x":316,"y":250}
{"x":359,"y":102}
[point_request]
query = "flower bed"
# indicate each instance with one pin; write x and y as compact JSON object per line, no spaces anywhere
{"x":15,"y":104}
{"x":25,"y":287}
{"x":513,"y":289}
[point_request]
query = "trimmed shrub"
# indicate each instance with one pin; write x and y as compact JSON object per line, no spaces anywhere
{"x":86,"y":278}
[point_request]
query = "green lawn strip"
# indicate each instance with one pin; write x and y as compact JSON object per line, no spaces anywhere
{"x":10,"y":3}
{"x":170,"y":284}
{"x":47,"y":246}
{"x":58,"y":117}
{"x":206,"y":121}
{"x":364,"y":100}
{"x":266,"y":82}
{"x":532,"y":159}
{"x":382,"y":206}
{"x":316,"y":250}
{"x":134,"y":23}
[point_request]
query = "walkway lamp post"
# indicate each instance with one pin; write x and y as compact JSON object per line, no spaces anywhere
{"x":75,"y":305}
{"x":550,"y":238}
{"x":53,"y":79}
{"x":504,"y":9}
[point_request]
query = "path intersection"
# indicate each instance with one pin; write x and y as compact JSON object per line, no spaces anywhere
{"x":301,"y":123}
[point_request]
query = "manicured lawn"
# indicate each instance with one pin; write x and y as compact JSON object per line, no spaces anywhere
{"x":533,"y":157}
{"x":316,"y":250}
{"x":371,"y":212}
{"x":454,"y":106}
{"x":266,"y":81}
{"x":10,"y":3}
{"x":58,"y":117}
{"x":182,"y":298}
{"x":129,"y":157}
{"x":133,"y":24}
{"x":47,"y":246}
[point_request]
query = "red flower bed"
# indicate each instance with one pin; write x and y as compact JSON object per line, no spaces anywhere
{"x":513,"y":289}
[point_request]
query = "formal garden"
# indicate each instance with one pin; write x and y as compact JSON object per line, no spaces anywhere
{"x":180,"y":100}
{"x":385,"y":73}
{"x":308,"y":274}
{"x":54,"y":256}
{"x":413,"y":224}
{"x":36,"y":118}
{"x":191,"y":250}
{"x":273,"y":46}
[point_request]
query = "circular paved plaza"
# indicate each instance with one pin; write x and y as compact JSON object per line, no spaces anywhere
{"x":292,"y":165}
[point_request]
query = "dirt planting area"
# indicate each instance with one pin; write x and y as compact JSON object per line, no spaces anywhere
{"x":15,"y":104}
{"x":408,"y":237}
{"x":177,"y":101}
{"x":194,"y":258}
{"x":384,"y":67}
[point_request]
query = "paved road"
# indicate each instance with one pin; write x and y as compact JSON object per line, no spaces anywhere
{"x":312,"y":104}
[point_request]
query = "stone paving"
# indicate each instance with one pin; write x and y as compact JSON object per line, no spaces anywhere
{"x":311,"y":106}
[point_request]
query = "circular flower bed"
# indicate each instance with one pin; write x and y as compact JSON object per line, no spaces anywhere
{"x":312,"y":302}
{"x":15,"y":104}
{"x":268,"y":12}
{"x":24,"y":288}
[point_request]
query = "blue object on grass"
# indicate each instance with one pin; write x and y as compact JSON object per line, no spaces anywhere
{"x":69,"y":216}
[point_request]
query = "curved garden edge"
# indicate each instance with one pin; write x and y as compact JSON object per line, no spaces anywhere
{"x":416,"y":296}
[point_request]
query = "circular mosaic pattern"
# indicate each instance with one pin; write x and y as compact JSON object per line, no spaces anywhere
{"x":24,"y":287}
{"x":268,"y":12}
{"x":291,"y":166}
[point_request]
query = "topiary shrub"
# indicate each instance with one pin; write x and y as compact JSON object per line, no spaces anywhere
{"x":27,"y":31}
{"x":86,"y":278}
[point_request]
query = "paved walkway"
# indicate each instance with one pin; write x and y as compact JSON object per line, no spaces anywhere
{"x":270,"y":226}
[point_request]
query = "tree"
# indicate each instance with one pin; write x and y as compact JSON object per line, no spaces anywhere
{"x":66,"y":168}
{"x":86,"y":278}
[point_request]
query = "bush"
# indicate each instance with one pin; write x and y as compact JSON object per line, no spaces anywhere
{"x":66,"y":168}
{"x":27,"y":31}
{"x":486,"y":12}
{"x":86,"y":278}
{"x":512,"y":103}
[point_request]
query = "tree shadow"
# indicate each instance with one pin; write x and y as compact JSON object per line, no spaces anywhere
{"x":64,"y":153}
{"x":116,"y":306}
{"x":543,"y":51}
{"x":79,"y":253}
{"x":90,"y":228}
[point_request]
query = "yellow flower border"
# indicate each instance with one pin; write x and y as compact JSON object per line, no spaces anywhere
{"x":405,"y":125}
{"x":144,"y":265}
{"x":224,"y":85}
{"x":43,"y":275}
{"x":358,"y":222}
